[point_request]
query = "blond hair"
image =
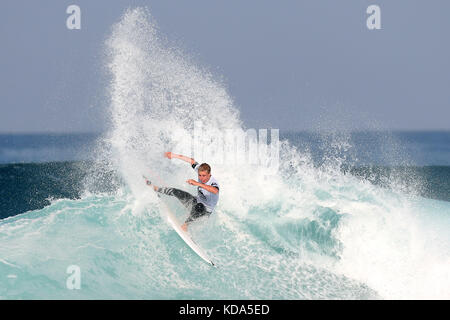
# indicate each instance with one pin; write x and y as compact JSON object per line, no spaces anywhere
{"x":204,"y":167}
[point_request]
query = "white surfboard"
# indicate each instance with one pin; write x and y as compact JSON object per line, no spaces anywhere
{"x":173,"y":221}
{"x":185,"y":236}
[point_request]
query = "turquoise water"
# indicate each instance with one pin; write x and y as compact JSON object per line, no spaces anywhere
{"x":342,"y":243}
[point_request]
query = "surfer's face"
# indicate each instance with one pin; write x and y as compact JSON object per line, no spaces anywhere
{"x":204,"y":176}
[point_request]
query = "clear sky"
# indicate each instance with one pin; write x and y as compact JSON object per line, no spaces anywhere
{"x":292,"y":65}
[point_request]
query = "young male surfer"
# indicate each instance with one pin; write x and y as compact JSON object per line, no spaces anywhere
{"x":207,"y":190}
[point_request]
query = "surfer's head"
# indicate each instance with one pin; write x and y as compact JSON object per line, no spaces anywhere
{"x":204,"y":172}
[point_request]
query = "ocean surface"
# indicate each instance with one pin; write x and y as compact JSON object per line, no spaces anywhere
{"x":38,"y":168}
{"x":347,"y":215}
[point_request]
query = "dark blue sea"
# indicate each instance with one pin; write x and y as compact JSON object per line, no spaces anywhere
{"x":35,"y":168}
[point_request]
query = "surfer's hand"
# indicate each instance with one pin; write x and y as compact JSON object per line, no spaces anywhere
{"x":192,"y":182}
{"x":168,"y":155}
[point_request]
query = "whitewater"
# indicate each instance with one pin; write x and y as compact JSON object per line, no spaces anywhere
{"x":306,"y":232}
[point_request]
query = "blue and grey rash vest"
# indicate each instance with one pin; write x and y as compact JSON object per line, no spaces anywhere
{"x":209,"y":199}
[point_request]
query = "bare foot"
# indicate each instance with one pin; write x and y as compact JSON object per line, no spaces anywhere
{"x":184,"y":227}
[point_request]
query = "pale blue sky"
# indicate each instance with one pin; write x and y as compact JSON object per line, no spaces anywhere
{"x":292,"y":65}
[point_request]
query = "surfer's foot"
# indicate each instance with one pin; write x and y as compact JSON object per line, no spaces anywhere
{"x":150,"y":184}
{"x":184,"y":227}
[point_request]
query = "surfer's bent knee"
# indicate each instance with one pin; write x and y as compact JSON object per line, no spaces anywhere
{"x":198,"y":210}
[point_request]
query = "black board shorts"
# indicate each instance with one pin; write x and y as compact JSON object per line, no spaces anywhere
{"x":197,"y":209}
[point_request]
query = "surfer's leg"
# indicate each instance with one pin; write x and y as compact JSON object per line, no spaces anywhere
{"x":187,"y":199}
{"x":197,"y":211}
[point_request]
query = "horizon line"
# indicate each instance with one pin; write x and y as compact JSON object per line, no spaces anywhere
{"x":281,"y":130}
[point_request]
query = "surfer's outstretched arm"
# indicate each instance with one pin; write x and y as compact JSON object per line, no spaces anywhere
{"x":172,"y":155}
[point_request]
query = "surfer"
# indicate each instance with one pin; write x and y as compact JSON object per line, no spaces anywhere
{"x":207,"y":190}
